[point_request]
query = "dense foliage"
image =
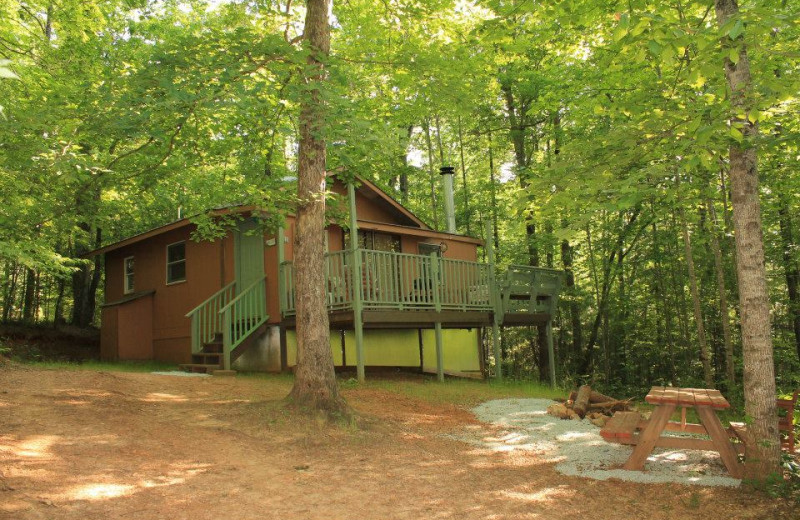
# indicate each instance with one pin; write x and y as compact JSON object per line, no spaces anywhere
{"x":592,"y":134}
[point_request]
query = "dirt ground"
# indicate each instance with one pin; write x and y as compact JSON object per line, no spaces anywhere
{"x":85,"y":445}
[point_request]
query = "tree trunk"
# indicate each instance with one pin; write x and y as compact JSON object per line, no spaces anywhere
{"x":492,"y":180}
{"x":11,"y":289}
{"x":315,"y":381}
{"x":58,"y":310}
{"x":665,"y":310}
{"x":708,"y":376}
{"x":465,"y":187}
{"x":431,"y":174}
{"x":791,"y":270}
{"x":574,"y":307}
{"x":29,"y":301}
{"x":730,"y":372}
{"x":85,"y":281}
{"x":759,"y":371}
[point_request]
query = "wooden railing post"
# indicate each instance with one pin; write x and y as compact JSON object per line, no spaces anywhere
{"x":226,"y":339}
{"x":356,"y":270}
{"x":495,"y":300}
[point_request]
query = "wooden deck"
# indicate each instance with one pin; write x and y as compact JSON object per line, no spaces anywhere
{"x":398,"y":290}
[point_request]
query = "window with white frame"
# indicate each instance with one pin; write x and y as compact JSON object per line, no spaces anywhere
{"x":176,"y":262}
{"x":128,"y":278}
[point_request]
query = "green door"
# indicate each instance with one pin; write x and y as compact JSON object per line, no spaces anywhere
{"x":249,"y":246}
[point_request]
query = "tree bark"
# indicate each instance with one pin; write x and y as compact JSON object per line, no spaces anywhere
{"x":85,"y":281}
{"x":759,"y":371}
{"x":791,"y":270}
{"x":730,"y":372}
{"x":29,"y":301}
{"x":431,"y":174}
{"x":708,"y":376}
{"x":574,"y":308}
{"x":315,"y":381}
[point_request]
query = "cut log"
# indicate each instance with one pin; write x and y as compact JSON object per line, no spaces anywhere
{"x":561,"y":411}
{"x":581,"y":405}
{"x":611,"y":406}
{"x":594,"y":397}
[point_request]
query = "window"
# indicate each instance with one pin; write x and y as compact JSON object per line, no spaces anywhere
{"x":128,"y":278}
{"x":375,"y":241}
{"x":176,"y":262}
{"x":426,"y":249}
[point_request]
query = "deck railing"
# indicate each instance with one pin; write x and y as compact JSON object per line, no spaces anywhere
{"x":527,"y":289}
{"x":398,"y":281}
{"x":242,"y":315}
{"x":206,"y":319}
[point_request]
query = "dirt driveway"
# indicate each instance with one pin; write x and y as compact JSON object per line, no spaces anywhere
{"x":100,"y":445}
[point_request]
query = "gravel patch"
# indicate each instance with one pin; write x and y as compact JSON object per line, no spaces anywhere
{"x":578,"y":450}
{"x":180,"y":373}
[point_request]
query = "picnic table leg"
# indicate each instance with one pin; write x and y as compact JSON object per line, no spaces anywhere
{"x":720,"y":439}
{"x":649,"y":436}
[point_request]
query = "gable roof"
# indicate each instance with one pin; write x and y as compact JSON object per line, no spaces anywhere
{"x":374,"y":192}
{"x":408,"y":220}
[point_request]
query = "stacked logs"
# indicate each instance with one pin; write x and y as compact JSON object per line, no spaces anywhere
{"x":585,"y":403}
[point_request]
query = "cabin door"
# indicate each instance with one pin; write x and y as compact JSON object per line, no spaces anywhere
{"x":249,"y":251}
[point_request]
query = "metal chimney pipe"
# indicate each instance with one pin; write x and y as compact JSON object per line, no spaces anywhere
{"x":449,"y":204}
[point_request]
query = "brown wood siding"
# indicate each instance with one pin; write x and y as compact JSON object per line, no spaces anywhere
{"x":207,"y":270}
{"x":108,"y":334}
{"x":135,"y":329}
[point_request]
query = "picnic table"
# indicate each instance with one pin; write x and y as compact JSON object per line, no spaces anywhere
{"x":666,"y":399}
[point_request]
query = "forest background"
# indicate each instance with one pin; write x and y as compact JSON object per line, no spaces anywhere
{"x":592,"y":134}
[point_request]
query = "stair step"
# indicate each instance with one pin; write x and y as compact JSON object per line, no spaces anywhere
{"x":201,"y":368}
{"x":207,"y":358}
{"x":213,"y":347}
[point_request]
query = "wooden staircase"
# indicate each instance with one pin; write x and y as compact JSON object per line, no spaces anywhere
{"x":209,"y":359}
{"x":241,"y":318}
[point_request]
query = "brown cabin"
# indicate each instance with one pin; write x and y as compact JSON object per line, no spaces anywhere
{"x":405,"y":295}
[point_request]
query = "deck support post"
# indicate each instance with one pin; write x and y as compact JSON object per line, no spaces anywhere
{"x":551,"y":351}
{"x":437,"y":302}
{"x":494,"y":295}
{"x":439,"y":352}
{"x":358,"y":322}
{"x":281,"y":239}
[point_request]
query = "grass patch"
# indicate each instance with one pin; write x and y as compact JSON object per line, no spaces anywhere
{"x":462,"y":392}
{"x":103,"y":366}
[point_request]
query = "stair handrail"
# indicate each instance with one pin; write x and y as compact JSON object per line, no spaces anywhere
{"x":205,"y":317}
{"x":248,"y":308}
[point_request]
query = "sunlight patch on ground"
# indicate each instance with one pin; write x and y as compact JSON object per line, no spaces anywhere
{"x":100,"y":491}
{"x":35,"y":447}
{"x":542,"y":496}
{"x":157,"y":397}
{"x":73,"y":402}
{"x":71,"y":392}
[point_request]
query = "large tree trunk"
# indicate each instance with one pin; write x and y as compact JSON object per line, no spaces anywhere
{"x":315,"y":381}
{"x":759,"y":371}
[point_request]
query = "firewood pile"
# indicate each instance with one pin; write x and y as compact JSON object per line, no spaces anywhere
{"x":585,"y":403}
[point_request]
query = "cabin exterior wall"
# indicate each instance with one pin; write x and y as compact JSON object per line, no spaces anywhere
{"x":209,"y":266}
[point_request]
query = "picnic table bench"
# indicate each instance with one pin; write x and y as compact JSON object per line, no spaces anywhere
{"x":645,"y":435}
